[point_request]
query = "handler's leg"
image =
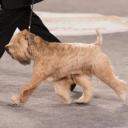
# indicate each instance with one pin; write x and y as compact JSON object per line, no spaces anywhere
{"x":9,"y":20}
{"x":6,"y":30}
{"x":37,"y":26}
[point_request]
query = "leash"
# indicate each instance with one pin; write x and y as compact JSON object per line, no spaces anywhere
{"x":30,"y":18}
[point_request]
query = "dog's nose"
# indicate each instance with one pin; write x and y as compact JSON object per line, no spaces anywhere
{"x":7,"y":48}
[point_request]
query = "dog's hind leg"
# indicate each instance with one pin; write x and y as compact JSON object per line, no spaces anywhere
{"x":103,"y":70}
{"x":62,"y":88}
{"x":88,"y":90}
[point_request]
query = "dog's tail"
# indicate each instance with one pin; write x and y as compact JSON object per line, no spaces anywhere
{"x":99,"y":40}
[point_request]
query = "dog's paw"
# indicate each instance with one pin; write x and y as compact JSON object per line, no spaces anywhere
{"x":81,"y":101}
{"x":124,"y":96}
{"x":15,"y":100}
{"x":67,"y":101}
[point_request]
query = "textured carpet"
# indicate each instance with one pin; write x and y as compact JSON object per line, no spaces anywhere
{"x":74,"y":24}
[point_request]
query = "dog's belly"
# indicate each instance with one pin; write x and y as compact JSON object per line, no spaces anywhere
{"x":51,"y":79}
{"x":70,"y":70}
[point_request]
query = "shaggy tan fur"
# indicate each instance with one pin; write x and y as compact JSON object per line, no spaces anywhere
{"x":64,"y":63}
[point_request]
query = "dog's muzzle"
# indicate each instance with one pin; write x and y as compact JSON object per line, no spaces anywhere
{"x":8,"y":51}
{"x":6,"y":48}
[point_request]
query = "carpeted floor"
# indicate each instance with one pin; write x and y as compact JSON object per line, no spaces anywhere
{"x":76,"y":24}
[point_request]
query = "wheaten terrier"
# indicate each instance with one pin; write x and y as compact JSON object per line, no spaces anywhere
{"x":64,"y":64}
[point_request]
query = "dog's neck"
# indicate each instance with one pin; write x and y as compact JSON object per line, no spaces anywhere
{"x":37,"y":47}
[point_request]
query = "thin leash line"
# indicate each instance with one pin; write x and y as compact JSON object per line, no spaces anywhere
{"x":30,"y":18}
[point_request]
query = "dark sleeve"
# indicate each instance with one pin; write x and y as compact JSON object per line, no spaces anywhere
{"x":29,"y":2}
{"x":13,"y":4}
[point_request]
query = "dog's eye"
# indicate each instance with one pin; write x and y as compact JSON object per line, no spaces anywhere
{"x":26,"y":38}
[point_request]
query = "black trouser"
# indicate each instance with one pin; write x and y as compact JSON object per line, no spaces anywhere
{"x":19,"y":18}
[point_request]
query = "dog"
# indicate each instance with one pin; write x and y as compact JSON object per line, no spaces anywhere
{"x":64,"y":64}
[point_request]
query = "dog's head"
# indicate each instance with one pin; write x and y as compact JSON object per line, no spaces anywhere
{"x":18,"y":47}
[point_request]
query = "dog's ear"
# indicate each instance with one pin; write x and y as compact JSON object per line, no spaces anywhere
{"x":37,"y":39}
{"x":30,"y":38}
{"x":25,"y":32}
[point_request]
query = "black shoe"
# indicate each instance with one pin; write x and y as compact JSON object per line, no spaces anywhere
{"x":72,"y":87}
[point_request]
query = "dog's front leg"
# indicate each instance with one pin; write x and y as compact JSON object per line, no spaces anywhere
{"x":88,"y":90}
{"x":27,"y":90}
{"x":62,"y":89}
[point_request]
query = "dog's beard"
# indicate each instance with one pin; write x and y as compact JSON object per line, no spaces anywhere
{"x":25,"y":62}
{"x":23,"y":59}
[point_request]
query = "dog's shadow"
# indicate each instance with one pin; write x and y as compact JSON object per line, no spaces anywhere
{"x":20,"y":111}
{"x":76,"y":94}
{"x":7,"y":105}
